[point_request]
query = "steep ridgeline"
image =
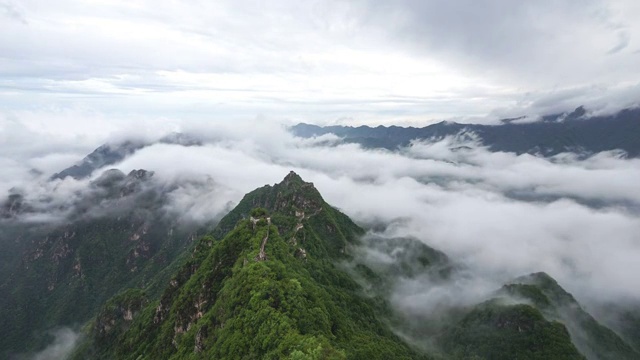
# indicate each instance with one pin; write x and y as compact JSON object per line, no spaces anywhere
{"x":625,"y":320}
{"x":554,"y":134}
{"x":382,"y":261}
{"x":531,"y":317}
{"x":269,"y":289}
{"x":591,"y":338}
{"x":534,"y":317}
{"x":496,"y":329}
{"x":292,"y":203}
{"x":112,"y":153}
{"x":114,"y":236}
{"x":107,"y":154}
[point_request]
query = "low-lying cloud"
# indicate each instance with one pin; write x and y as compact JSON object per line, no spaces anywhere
{"x":61,"y":347}
{"x":500,"y":215}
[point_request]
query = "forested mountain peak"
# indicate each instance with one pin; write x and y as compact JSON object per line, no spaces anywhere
{"x":268,"y":288}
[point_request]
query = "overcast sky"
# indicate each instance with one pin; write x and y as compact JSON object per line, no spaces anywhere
{"x":326,"y":61}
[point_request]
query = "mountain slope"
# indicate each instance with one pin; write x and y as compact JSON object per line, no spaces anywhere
{"x":268,"y":289}
{"x":592,"y":338}
{"x":537,"y":319}
{"x":553,"y":135}
{"x":499,"y":328}
{"x":112,"y":153}
{"x":105,"y":155}
{"x":113,"y":237}
{"x":497,"y":331}
{"x":293,"y":202}
{"x":624,"y":318}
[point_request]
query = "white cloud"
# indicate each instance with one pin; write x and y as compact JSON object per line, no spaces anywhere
{"x":377,"y":62}
{"x":64,"y":341}
{"x":501,"y":214}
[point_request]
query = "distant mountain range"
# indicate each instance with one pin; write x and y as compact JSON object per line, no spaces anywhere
{"x":553,"y":134}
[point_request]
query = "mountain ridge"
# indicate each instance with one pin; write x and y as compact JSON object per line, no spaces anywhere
{"x":271,"y":275}
{"x":114,"y":152}
{"x":552,"y":135}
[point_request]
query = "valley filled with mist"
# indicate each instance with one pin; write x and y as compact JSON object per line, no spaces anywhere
{"x":447,"y":223}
